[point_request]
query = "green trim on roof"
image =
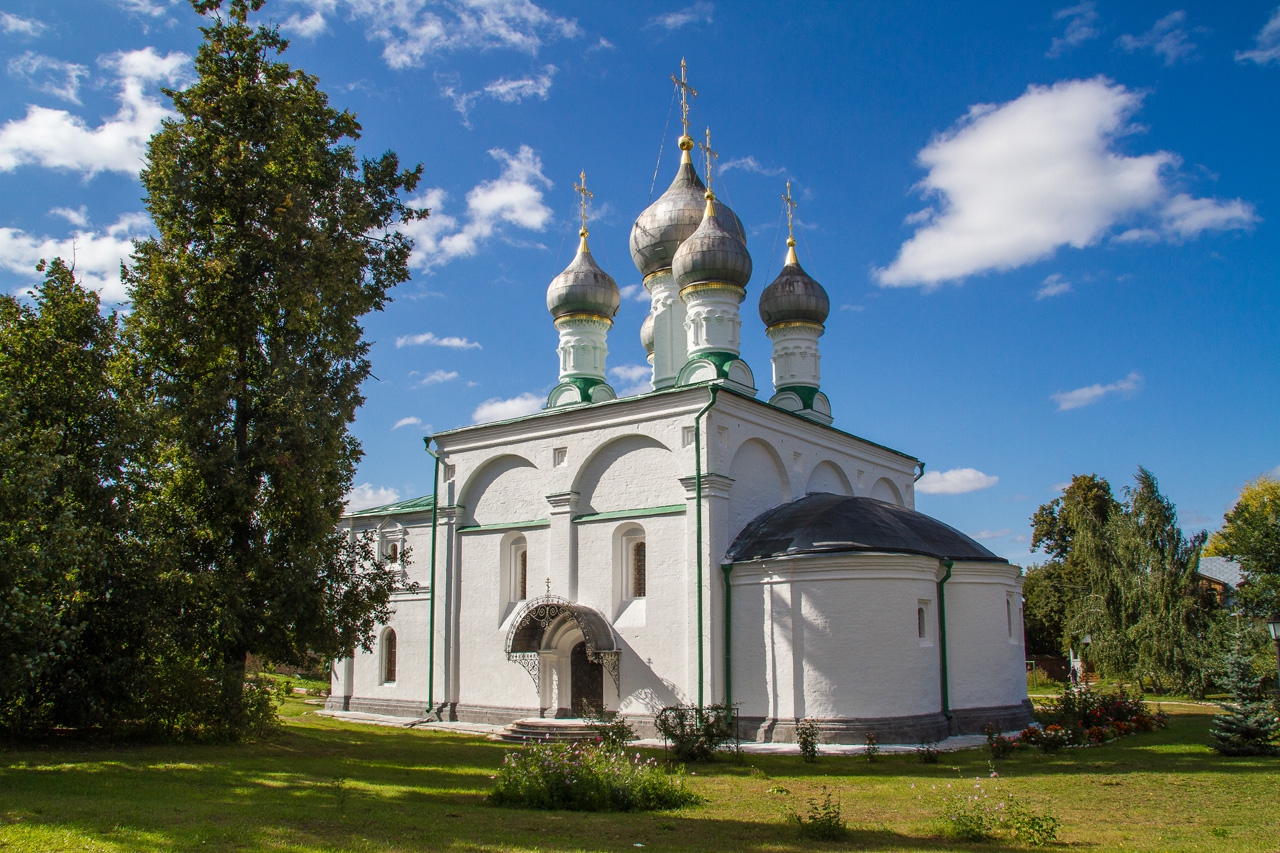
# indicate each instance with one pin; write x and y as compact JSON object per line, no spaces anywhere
{"x":506,"y":525}
{"x":806,"y":393}
{"x":671,"y":509}
{"x":421,"y":504}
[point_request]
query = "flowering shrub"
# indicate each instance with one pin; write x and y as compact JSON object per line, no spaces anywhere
{"x":807,"y":739}
{"x":823,"y":822}
{"x":615,"y":733}
{"x":974,"y":813}
{"x":587,"y":777}
{"x":1086,"y":716}
{"x":696,"y":733}
{"x":1051,"y":738}
{"x":1000,"y":745}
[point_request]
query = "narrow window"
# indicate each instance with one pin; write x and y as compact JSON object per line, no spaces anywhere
{"x":920,"y":623}
{"x":392,"y":552}
{"x":1008,"y":615}
{"x":637,"y":570}
{"x":522,"y":562}
{"x":389,"y":657}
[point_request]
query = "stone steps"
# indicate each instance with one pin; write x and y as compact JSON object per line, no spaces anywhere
{"x":547,"y":730}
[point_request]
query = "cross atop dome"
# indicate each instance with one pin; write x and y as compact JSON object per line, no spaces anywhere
{"x":711,"y":154}
{"x":686,"y":91}
{"x":581,"y":189}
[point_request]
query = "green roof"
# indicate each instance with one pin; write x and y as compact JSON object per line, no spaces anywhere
{"x":421,"y":504}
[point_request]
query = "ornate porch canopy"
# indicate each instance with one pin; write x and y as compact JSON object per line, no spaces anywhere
{"x":525,"y":639}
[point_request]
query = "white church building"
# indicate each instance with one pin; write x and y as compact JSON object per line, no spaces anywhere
{"x":704,"y":542}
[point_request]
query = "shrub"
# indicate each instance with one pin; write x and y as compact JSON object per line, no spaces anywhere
{"x":694,"y":734}
{"x":615,"y":733}
{"x":1248,"y":725}
{"x":873,"y":747}
{"x":1083,"y":716}
{"x":807,"y":739}
{"x":1000,"y":745}
{"x":928,"y":752}
{"x":587,"y":777}
{"x":976,"y":814}
{"x":823,"y":821}
{"x":1032,"y":828}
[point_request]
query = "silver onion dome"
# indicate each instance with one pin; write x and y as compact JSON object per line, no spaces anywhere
{"x":583,"y":288}
{"x":794,"y":296}
{"x":712,"y":253}
{"x":646,"y":334}
{"x":669,"y":221}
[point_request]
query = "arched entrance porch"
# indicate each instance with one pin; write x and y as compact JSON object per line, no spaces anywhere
{"x":566,"y":648}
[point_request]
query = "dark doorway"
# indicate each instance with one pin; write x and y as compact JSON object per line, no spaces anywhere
{"x":586,"y":684}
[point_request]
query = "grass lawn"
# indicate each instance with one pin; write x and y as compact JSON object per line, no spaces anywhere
{"x":324,"y":785}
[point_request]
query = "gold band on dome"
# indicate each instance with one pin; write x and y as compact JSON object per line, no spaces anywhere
{"x":580,"y":316}
{"x":713,"y":287}
{"x":797,"y":324}
{"x":651,"y":276}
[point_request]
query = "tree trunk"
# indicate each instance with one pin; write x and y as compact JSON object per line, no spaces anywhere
{"x":231,"y":702}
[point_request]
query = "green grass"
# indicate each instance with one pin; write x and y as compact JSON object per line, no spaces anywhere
{"x":328,"y":786}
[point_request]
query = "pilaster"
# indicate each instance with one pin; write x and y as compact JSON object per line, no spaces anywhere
{"x":562,"y":550}
{"x":670,"y":344}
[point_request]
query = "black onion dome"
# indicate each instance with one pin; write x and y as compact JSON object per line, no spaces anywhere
{"x":823,"y":523}
{"x":670,"y":220}
{"x":794,"y":296}
{"x":583,"y":288}
{"x":646,"y":334}
{"x":712,"y":253}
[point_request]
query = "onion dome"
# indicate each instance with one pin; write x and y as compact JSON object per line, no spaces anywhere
{"x":712,"y":253}
{"x":646,"y":334}
{"x":669,"y":221}
{"x":794,"y":297}
{"x":583,"y":288}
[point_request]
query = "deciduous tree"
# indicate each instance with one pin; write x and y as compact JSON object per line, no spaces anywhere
{"x":1250,"y":535}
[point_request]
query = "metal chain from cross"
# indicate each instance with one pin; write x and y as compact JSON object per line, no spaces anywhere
{"x":685,"y":92}
{"x":581,"y":189}
{"x":791,"y":207}
{"x":710,"y":153}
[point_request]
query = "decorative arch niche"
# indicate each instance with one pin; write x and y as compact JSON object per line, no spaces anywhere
{"x":886,"y":490}
{"x":632,"y":472}
{"x":759,"y":483}
{"x":507,"y":489}
{"x":828,"y":477}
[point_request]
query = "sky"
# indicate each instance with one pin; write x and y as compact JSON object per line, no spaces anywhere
{"x":1048,"y":231}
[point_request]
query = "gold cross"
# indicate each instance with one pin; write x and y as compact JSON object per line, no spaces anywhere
{"x":791,"y":206}
{"x":685,"y":91}
{"x":586,"y":194}
{"x":710,"y":152}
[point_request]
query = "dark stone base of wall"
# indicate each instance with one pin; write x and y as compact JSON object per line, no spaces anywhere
{"x":927,"y":728}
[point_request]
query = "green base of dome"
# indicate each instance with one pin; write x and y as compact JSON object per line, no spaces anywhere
{"x":579,"y":391}
{"x":718,"y":367}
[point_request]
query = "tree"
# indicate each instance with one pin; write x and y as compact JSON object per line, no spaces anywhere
{"x":1250,"y":535}
{"x":1124,"y":573}
{"x":273,"y":243}
{"x":74,"y":614}
{"x":1249,"y":725}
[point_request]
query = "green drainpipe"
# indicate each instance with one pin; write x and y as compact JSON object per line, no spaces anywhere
{"x":697,"y":469}
{"x":431,"y":629}
{"x":942,"y":638}
{"x":728,"y":656}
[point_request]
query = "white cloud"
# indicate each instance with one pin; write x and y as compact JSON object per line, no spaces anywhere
{"x":15,"y":26}
{"x":148,"y":8}
{"x":431,"y":339}
{"x":411,"y":29}
{"x":698,"y":13}
{"x":1053,"y":285}
{"x":97,"y":255}
{"x":56,"y":139}
{"x":632,"y":379}
{"x":992,"y":534}
{"x":1080,"y":19}
{"x":78,"y":217}
{"x":404,"y":422}
{"x":751,"y":164}
{"x":367,"y":495}
{"x":1274,"y":472}
{"x":512,"y":199}
{"x":311,"y":27}
{"x":851,"y":307}
{"x":496,"y":409}
{"x":636,"y":292}
{"x":957,"y":481}
{"x":515,"y":91}
{"x":49,"y":75}
{"x":1012,"y":183}
{"x":1091,"y":394}
{"x":435,"y":377}
{"x":1166,"y":39}
{"x":1266,"y":44}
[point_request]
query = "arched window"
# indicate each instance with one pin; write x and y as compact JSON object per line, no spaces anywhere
{"x":389,"y":657}
{"x":518,"y":566}
{"x":391,"y":551}
{"x":920,"y":623}
{"x":637,"y":569}
{"x":1008,"y":615}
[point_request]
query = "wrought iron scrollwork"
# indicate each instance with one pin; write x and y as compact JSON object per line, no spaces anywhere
{"x":524,"y":639}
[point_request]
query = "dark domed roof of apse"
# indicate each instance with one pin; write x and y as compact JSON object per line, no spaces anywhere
{"x":583,"y":288}
{"x":794,"y":296}
{"x":669,"y":221}
{"x":823,"y":523}
{"x":712,"y":253}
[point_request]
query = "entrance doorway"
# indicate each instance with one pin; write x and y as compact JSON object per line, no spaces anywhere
{"x":586,"y":684}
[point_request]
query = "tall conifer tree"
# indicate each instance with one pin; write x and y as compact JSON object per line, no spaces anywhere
{"x":274,"y":241}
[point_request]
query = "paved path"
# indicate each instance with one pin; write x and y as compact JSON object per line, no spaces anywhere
{"x":951,"y":744}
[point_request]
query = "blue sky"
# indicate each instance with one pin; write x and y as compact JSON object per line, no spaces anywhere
{"x":1048,"y":231}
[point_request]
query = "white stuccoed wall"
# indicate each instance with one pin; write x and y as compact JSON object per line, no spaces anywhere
{"x":854,"y":648}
